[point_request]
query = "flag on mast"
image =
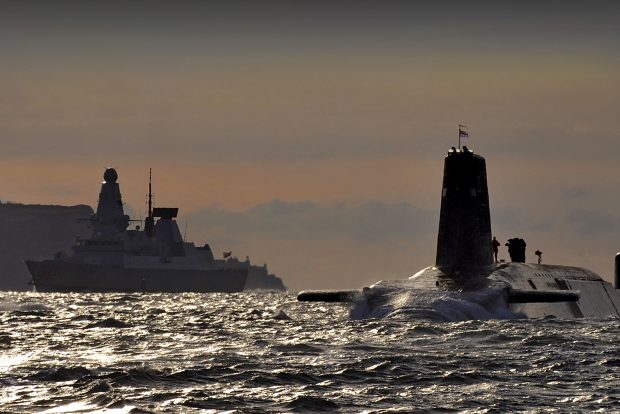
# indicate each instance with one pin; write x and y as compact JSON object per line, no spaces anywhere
{"x":462,"y":132}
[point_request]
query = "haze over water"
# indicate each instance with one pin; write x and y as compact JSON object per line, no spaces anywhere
{"x":263,"y":352}
{"x":310,"y":135}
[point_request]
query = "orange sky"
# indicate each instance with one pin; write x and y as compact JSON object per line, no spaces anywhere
{"x":236,"y":109}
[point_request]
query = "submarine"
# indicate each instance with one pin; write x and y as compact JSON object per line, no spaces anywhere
{"x":465,"y":267}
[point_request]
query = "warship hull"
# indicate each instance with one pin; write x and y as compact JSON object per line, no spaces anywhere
{"x":63,"y":276}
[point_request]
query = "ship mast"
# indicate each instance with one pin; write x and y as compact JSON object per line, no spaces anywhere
{"x":150,"y":196}
{"x":149,"y":223}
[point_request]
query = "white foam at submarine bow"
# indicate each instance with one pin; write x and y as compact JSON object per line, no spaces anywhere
{"x":434,"y":305}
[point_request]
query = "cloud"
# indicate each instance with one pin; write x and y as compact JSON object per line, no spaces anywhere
{"x":314,"y":244}
{"x":370,"y":222}
{"x":577,"y":193}
{"x":588,"y":222}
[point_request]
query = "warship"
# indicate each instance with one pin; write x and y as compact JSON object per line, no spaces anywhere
{"x":466,"y":270}
{"x":117,"y":259}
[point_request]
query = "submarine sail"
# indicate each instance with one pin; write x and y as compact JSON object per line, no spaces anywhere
{"x":464,"y":236}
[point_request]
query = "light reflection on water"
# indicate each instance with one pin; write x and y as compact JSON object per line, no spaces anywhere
{"x":9,"y":361}
{"x":266,"y":352}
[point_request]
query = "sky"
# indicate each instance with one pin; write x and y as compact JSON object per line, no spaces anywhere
{"x":311,"y":135}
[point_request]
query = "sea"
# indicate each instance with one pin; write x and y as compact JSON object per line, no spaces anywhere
{"x":263,"y":352}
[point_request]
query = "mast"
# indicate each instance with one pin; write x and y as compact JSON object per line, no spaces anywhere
{"x":149,"y":222}
{"x":150,"y":196}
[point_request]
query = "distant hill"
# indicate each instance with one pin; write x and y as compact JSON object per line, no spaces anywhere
{"x":38,"y":231}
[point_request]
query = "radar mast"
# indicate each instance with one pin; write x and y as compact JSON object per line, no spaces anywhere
{"x":149,"y":223}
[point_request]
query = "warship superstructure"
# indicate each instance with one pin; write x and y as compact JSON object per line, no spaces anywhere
{"x":117,"y":259}
{"x":465,"y":266}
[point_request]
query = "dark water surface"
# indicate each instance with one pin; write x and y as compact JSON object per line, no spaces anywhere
{"x":264,"y":352}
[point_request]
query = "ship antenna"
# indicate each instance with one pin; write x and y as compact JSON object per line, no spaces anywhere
{"x":150,"y":196}
{"x":149,"y":223}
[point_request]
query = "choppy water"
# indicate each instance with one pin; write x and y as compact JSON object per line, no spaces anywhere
{"x":264,"y":352}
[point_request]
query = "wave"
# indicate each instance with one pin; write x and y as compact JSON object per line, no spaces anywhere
{"x":309,"y":403}
{"x":108,"y":323}
{"x":24,"y":308}
{"x":61,"y":374}
{"x":281,"y":315}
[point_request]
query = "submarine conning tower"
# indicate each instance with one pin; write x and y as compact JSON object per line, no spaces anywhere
{"x":464,"y":237}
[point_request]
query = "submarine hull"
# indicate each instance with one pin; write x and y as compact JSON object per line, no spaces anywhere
{"x":506,"y":290}
{"x":64,"y":276}
{"x":532,"y":290}
{"x":597,"y":297}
